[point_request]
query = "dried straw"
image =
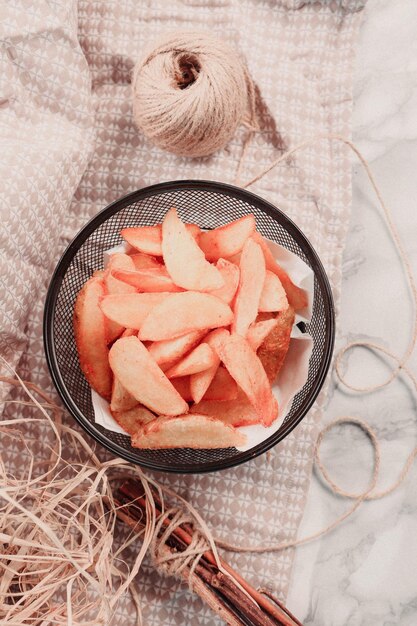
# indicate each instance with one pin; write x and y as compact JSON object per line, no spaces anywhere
{"x":59,"y":561}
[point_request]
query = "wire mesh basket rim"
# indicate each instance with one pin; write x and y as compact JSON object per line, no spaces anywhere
{"x":113,"y":208}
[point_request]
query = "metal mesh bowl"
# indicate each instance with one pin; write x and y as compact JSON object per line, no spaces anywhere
{"x":209,"y":204}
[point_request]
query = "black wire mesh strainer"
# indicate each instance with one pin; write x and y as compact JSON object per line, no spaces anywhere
{"x":208,"y":204}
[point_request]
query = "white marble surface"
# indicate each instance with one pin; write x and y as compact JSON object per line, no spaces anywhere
{"x":365,"y":572}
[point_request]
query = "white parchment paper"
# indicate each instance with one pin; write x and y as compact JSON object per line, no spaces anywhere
{"x":294,"y":372}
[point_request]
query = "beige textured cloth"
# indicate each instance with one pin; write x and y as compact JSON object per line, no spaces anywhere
{"x":59,"y":137}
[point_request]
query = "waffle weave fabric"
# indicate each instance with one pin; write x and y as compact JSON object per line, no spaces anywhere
{"x":69,"y":147}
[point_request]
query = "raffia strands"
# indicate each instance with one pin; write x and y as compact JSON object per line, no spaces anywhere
{"x":191,"y":92}
{"x":58,"y":560}
{"x":399,"y":367}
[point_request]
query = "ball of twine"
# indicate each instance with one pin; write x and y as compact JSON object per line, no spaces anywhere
{"x":190,"y":93}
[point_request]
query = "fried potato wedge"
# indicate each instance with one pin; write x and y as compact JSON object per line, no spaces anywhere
{"x":182,"y":313}
{"x":133,"y":419}
{"x":184,"y":259}
{"x":199,"y":359}
{"x":121,"y":399}
{"x":118,"y":261}
{"x":200,"y":382}
{"x":222,"y":387}
{"x":252,"y":279}
{"x":130,"y":310}
{"x":187,"y":431}
{"x":138,"y":373}
{"x":274,"y":348}
{"x":174,"y":349}
{"x":91,"y":337}
{"x":273,"y":297}
{"x":259,"y":331}
{"x":227,"y":240}
{"x":148,"y":239}
{"x":194,"y":230}
{"x":182,"y":385}
{"x":236,"y":413}
{"x":230,"y":274}
{"x":151,"y":280}
{"x":114,"y":286}
{"x":247,"y":370}
{"x":296,"y":296}
{"x":142,"y":261}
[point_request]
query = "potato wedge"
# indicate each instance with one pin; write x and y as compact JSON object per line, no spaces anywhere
{"x":258,"y":332}
{"x":164,"y":366}
{"x":199,"y":359}
{"x":129,"y":332}
{"x":118,"y":261}
{"x":246,"y":368}
{"x":230,"y":274}
{"x":91,"y":337}
{"x":235,"y":258}
{"x":114,"y":286}
{"x":187,"y":431}
{"x":113,"y":330}
{"x":222,"y":387}
{"x":274,"y":348}
{"x":144,"y":238}
{"x":227,"y":240}
{"x":182,"y":385}
{"x":273,"y":297}
{"x":148,"y":239}
{"x":201,"y":381}
{"x":133,"y":419}
{"x":182,"y":313}
{"x":236,"y":413}
{"x":194,"y":230}
{"x":142,"y":261}
{"x":138,"y":373}
{"x":121,"y":399}
{"x":152,"y":280}
{"x":130,"y":310}
{"x":252,"y":278}
{"x":184,"y":259}
{"x":297,"y":298}
{"x":174,"y":349}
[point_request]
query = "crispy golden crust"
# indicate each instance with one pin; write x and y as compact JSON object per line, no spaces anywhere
{"x":134,"y":419}
{"x":91,"y":339}
{"x":273,"y":350}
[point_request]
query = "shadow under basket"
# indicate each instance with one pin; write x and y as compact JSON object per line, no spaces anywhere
{"x":208,"y":204}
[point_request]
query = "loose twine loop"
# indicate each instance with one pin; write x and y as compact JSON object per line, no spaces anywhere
{"x":401,"y":366}
{"x":174,"y":563}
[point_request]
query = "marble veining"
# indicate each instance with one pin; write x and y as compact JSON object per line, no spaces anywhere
{"x":365,"y":572}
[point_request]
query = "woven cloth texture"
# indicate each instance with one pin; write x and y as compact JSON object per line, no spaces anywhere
{"x":69,"y":147}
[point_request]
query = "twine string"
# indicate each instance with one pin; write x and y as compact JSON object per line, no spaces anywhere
{"x":88,"y":557}
{"x":173,"y":563}
{"x":191,"y":92}
{"x":369,"y":493}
